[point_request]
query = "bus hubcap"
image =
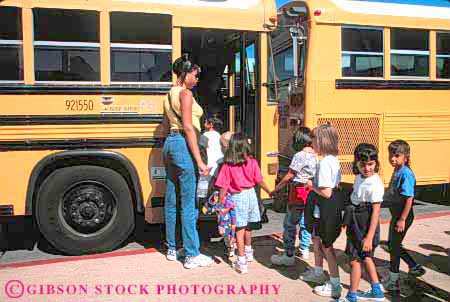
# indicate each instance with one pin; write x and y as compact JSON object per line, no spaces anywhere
{"x":87,"y":207}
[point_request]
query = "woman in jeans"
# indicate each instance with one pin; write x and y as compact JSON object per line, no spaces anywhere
{"x":182,"y":159}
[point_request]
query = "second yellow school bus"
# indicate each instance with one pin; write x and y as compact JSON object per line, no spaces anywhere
{"x":81,"y":89}
{"x":376,"y":70}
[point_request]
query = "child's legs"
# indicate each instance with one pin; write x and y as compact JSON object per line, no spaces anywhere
{"x":248,"y":237}
{"x":305,"y":236}
{"x":355,"y":276}
{"x":318,"y":253}
{"x":330,"y":255}
{"x":371,"y":270}
{"x":395,"y":246}
{"x":240,"y":241}
{"x":289,"y":230}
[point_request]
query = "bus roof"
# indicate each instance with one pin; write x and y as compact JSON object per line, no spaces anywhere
{"x":426,"y":14}
{"x":248,"y":15}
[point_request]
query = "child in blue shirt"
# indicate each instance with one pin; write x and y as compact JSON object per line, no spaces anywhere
{"x":400,"y":196}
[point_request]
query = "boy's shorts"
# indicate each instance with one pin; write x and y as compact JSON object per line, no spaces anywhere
{"x":247,"y":207}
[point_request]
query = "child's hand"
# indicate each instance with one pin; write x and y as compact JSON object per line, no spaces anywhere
{"x":367,"y":244}
{"x":309,"y":184}
{"x":400,"y":226}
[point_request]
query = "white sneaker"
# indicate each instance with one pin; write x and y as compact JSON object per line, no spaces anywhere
{"x":171,"y":255}
{"x":311,"y":276}
{"x":197,"y":261}
{"x":328,"y":290}
{"x":249,"y":256}
{"x":282,"y":259}
{"x":240,"y":267}
{"x":304,"y":253}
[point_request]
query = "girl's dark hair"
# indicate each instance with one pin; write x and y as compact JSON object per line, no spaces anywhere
{"x":364,"y":153}
{"x":301,"y":139}
{"x":216,"y":122}
{"x":182,"y":66}
{"x":400,"y":147}
{"x":238,"y":150}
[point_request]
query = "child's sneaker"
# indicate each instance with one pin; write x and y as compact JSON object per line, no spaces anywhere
{"x":311,"y":276}
{"x":328,"y":290}
{"x":304,"y":253}
{"x":371,"y":295}
{"x":282,"y":259}
{"x":345,"y":299}
{"x":171,"y":255}
{"x":197,"y":261}
{"x":249,"y":255}
{"x":417,"y":271}
{"x":240,"y":267}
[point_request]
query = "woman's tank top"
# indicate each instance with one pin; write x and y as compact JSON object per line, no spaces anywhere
{"x":175,"y":122}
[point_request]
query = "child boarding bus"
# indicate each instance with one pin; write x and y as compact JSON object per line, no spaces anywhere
{"x":376,"y":70}
{"x":82,"y":87}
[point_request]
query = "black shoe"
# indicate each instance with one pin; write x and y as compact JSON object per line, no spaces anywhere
{"x":417,"y":271}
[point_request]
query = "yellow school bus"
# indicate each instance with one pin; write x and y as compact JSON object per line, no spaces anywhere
{"x":81,"y":89}
{"x":377,"y":71}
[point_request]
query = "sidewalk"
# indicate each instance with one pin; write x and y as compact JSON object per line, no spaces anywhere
{"x":140,"y":276}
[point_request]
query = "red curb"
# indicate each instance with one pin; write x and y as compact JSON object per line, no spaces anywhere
{"x":153,"y":250}
{"x":77,"y":258}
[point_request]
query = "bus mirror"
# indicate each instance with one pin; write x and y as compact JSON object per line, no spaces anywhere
{"x":295,"y":11}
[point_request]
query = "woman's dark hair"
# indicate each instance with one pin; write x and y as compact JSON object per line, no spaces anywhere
{"x":183,"y":65}
{"x":364,"y":153}
{"x":238,"y":150}
{"x":400,"y":147}
{"x":301,"y":139}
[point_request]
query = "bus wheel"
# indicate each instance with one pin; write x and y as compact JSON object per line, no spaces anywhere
{"x":85,"y":209}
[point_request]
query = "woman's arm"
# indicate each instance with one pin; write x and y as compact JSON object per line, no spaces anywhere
{"x":186,"y":101}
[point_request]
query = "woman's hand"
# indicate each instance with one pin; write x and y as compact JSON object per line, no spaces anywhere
{"x":203,"y":169}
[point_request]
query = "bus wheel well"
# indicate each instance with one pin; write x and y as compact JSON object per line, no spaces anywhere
{"x":107,"y":159}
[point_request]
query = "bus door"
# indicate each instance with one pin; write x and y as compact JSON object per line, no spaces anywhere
{"x":245,"y":66}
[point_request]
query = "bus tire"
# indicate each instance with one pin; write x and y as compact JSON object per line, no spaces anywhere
{"x":85,"y":209}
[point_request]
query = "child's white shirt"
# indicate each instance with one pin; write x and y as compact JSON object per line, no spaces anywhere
{"x":328,"y":174}
{"x":367,"y":189}
{"x":210,"y":140}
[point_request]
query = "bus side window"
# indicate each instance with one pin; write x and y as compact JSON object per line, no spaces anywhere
{"x":443,"y":55}
{"x":141,"y":47}
{"x":67,"y":45}
{"x":410,"y":55}
{"x":11,"y":59}
{"x":362,"y":52}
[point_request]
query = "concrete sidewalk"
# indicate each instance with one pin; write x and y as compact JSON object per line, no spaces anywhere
{"x":145,"y":275}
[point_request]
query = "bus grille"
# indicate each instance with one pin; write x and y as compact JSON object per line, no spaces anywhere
{"x":353,"y":131}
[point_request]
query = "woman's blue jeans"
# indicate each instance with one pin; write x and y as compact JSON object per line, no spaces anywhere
{"x":181,"y":182}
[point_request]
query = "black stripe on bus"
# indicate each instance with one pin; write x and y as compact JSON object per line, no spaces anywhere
{"x":13,"y":120}
{"x":74,"y":144}
{"x":85,"y":90}
{"x":392,"y":84}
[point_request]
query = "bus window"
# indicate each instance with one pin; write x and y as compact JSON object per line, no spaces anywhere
{"x":141,"y":47}
{"x":67,"y":45}
{"x":11,"y":61}
{"x":409,"y":53}
{"x":362,"y":52}
{"x":443,"y":55}
{"x":284,"y":64}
